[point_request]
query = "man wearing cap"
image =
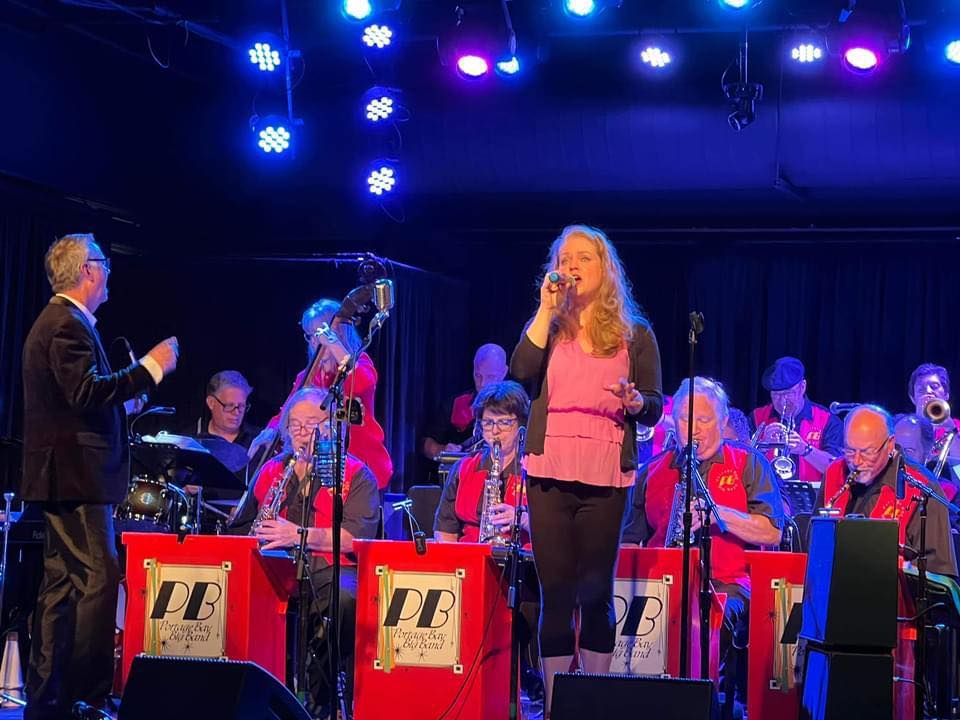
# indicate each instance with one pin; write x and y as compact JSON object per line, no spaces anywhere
{"x":817,"y":435}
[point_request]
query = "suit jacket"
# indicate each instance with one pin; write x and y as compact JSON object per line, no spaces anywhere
{"x":75,"y":428}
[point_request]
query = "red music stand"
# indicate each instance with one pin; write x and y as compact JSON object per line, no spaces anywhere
{"x":665,"y":566}
{"x":250,"y":611}
{"x":776,"y":580}
{"x":407,"y":619}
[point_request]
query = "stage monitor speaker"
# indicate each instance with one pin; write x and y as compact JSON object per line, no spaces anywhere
{"x":850,"y":591}
{"x":160,"y":688}
{"x":839,"y":686}
{"x":579,"y":696}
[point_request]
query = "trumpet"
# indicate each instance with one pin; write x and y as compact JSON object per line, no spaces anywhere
{"x":936,"y":410}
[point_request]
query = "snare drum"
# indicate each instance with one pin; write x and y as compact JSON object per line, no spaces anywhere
{"x":151,"y":505}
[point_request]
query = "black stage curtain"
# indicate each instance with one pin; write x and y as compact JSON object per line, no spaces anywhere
{"x":860,"y":314}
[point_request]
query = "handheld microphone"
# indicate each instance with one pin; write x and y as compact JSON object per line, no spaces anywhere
{"x":144,"y":397}
{"x":560,"y":279}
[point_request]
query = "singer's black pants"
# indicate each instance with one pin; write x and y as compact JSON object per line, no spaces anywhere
{"x":575,"y":529}
{"x":71,"y":656}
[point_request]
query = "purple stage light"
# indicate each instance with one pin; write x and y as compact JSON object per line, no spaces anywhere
{"x":860,"y":59}
{"x":472,"y":66}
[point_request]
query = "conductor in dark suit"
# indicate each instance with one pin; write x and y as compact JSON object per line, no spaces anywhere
{"x":75,"y":466}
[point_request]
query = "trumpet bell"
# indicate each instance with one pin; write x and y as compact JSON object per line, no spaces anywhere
{"x":936,"y":410}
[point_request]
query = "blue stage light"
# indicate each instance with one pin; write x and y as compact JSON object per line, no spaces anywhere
{"x":952,"y":51}
{"x":357,"y":9}
{"x":264,"y":56}
{"x":379,"y":108}
{"x":734,"y":4}
{"x":381,"y":180}
{"x":510,"y":66}
{"x":655,"y":57}
{"x":806,"y":53}
{"x":580,"y":8}
{"x":274,"y":138}
{"x":377,"y":36}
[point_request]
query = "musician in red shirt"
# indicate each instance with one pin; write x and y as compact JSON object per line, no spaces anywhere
{"x":815,"y":437}
{"x":303,"y":414}
{"x":742,"y":485}
{"x":500,"y":410}
{"x":336,"y":338}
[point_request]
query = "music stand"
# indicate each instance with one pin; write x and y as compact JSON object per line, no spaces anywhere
{"x":167,"y":455}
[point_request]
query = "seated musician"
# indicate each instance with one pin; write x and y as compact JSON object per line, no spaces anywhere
{"x":227,"y":400}
{"x":914,"y":435}
{"x":932,"y":382}
{"x":302,"y":415}
{"x":452,"y":426}
{"x":812,"y":434}
{"x":742,"y":485}
{"x":501,"y":409}
{"x":335,"y":338}
{"x":870,"y":451}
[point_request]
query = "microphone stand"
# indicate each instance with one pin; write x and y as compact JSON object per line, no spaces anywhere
{"x":302,"y":645}
{"x":515,"y":586}
{"x":920,"y":654}
{"x":706,"y":545}
{"x":696,"y":327}
{"x":340,"y":417}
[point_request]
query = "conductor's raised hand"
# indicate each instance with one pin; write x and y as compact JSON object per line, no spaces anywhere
{"x":165,"y":353}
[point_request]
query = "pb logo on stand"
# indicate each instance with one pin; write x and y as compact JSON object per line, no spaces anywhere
{"x":419,"y":619}
{"x":186,"y":610}
{"x":641,"y":612}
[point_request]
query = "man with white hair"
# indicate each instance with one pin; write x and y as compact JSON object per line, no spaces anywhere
{"x":76,"y":466}
{"x":453,"y":424}
{"x":872,"y":458}
{"x":741,"y":483}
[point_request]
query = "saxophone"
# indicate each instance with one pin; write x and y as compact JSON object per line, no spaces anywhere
{"x":491,"y":497}
{"x":270,"y":508}
{"x":828,"y":509}
{"x":674,"y":536}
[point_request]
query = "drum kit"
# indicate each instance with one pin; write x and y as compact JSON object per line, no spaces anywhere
{"x":171,"y":474}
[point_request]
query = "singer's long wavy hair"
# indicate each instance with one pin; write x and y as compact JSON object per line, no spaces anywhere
{"x":314,"y":396}
{"x":615,"y":312}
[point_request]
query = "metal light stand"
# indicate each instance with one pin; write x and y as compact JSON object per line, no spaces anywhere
{"x":515,"y":585}
{"x":696,"y":327}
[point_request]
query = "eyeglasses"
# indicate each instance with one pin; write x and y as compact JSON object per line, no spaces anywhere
{"x":105,"y":261}
{"x":503,"y":423}
{"x":296,"y":427}
{"x":868,"y":454}
{"x":232,"y":407}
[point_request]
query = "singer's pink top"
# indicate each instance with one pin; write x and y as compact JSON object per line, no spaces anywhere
{"x":584,"y":431}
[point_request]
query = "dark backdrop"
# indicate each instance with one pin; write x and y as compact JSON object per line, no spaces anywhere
{"x":861,"y":313}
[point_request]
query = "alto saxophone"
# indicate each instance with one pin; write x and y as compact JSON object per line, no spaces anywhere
{"x":491,"y":497}
{"x":674,"y":536}
{"x":270,"y":508}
